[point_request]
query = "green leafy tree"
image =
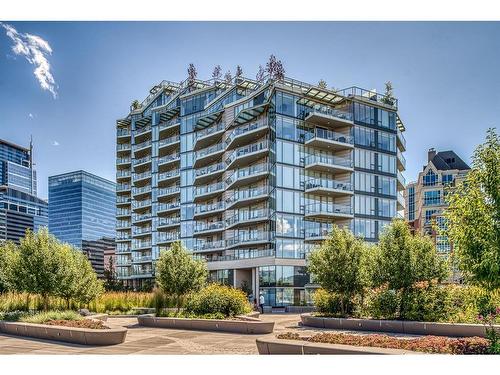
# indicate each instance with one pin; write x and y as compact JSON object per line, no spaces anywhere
{"x":322,"y":84}
{"x":7,"y":260}
{"x":69,"y":274}
{"x":87,"y":287}
{"x":388,"y":97}
{"x":473,"y":217}
{"x":402,"y":259}
{"x":178,"y":274}
{"x":340,"y":266}
{"x":111,"y":282}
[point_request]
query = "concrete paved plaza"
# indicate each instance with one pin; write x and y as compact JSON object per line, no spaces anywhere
{"x":145,"y":340}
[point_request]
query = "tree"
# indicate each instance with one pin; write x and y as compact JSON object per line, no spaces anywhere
{"x":111,"y":282}
{"x":239,"y":71}
{"x":192,"y":73}
{"x":403,"y":259}
{"x":274,"y":68}
{"x":388,"y":97}
{"x":178,"y":274}
{"x":87,"y":287}
{"x":228,"y":77}
{"x":135,"y":105}
{"x":7,"y":259}
{"x":473,"y":217}
{"x":216,"y":74}
{"x":70,"y":274}
{"x":340,"y":266}
{"x":322,"y":84}
{"x":259,"y":77}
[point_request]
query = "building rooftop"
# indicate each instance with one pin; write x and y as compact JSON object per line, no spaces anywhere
{"x":448,"y":160}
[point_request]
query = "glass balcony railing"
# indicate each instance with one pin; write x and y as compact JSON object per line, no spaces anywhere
{"x":169,"y":206}
{"x":164,"y":221}
{"x":123,"y":212}
{"x":142,"y":145}
{"x":248,"y":215}
{"x":140,"y":259}
{"x":123,"y":174}
{"x":248,"y":171}
{"x":141,"y":190}
{"x":247,"y":194}
{"x":123,"y":187}
{"x":143,"y":217}
{"x":123,"y":146}
{"x":323,"y":110}
{"x":123,"y":224}
{"x":248,"y":237}
{"x":326,"y":183}
{"x":401,"y":178}
{"x":401,"y":138}
{"x":143,"y":160}
{"x":208,"y":245}
{"x":202,"y":190}
{"x":168,"y":158}
{"x":329,"y":136}
{"x":210,"y":130}
{"x":169,"y":191}
{"x":210,"y":169}
{"x":145,"y":230}
{"x":209,"y":150}
{"x":141,"y":176}
{"x":401,"y":159}
{"x":322,"y":230}
{"x":329,"y":160}
{"x":142,"y":272}
{"x":123,"y":160}
{"x":205,"y":226}
{"x":140,"y":204}
{"x":123,"y":249}
{"x":241,"y":254}
{"x":140,"y":244}
{"x":168,"y":141}
{"x":168,"y":236}
{"x":204,"y":208}
{"x":169,"y":124}
{"x":168,"y":175}
{"x":123,"y":132}
{"x":328,"y":208}
{"x":245,"y":150}
{"x":123,"y":236}
{"x":245,"y":129}
{"x":123,"y":200}
{"x":142,"y":130}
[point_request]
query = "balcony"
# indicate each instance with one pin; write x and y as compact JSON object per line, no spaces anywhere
{"x":327,"y":163}
{"x":120,"y":236}
{"x":169,"y":143}
{"x":122,"y":200}
{"x":168,"y":207}
{"x":142,"y":259}
{"x":208,"y":191}
{"x":246,"y":133}
{"x":241,"y":255}
{"x":139,"y":205}
{"x":169,"y":159}
{"x":168,"y":192}
{"x":169,"y":176}
{"x":401,"y":202}
{"x":169,"y":125}
{"x":142,"y":273}
{"x":141,"y":245}
{"x":122,"y":212}
{"x":207,"y":136}
{"x":142,"y":146}
{"x":120,"y":188}
{"x":204,"y":227}
{"x":123,"y":147}
{"x":401,"y":181}
{"x":168,"y":222}
{"x":208,"y":155}
{"x":247,"y":154}
{"x":167,"y":237}
{"x":319,"y":233}
{"x":121,"y":262}
{"x":141,"y":231}
{"x":210,"y":172}
{"x":123,"y":249}
{"x":249,"y":239}
{"x":123,"y":224}
{"x":142,"y":177}
{"x":248,"y":217}
{"x":142,"y":131}
{"x":332,"y":188}
{"x":400,"y":141}
{"x":123,"y":161}
{"x":141,"y":218}
{"x":322,"y":210}
{"x":401,"y":161}
{"x":141,"y":161}
{"x":209,"y":245}
{"x":141,"y":191}
{"x":123,"y":175}
{"x":123,"y":133}
{"x":249,"y":196}
{"x":204,"y":210}
{"x":330,"y":117}
{"x":248,"y":175}
{"x":329,"y":140}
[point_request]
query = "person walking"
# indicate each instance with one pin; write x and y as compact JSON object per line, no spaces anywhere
{"x":261,"y":302}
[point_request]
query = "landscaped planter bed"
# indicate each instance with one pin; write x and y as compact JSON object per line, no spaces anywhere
{"x":247,"y":326}
{"x":396,"y":326}
{"x":82,"y":336}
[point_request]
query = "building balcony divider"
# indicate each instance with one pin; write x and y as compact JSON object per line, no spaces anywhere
{"x":249,"y":237}
{"x":209,"y":245}
{"x":248,"y":216}
{"x":329,"y":160}
{"x":325,"y":183}
{"x":205,"y":226}
{"x":328,"y":208}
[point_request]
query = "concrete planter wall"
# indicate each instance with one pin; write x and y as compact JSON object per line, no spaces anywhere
{"x":279,"y":346}
{"x":82,"y":336}
{"x":397,"y":326}
{"x":235,"y":326}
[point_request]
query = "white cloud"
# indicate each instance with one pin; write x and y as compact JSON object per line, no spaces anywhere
{"x":31,"y":116}
{"x":55,"y":143}
{"x":35,"y":50}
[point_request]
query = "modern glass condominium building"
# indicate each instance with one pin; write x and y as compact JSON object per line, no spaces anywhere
{"x":252,"y":175}
{"x":82,"y":212}
{"x":20,"y":208}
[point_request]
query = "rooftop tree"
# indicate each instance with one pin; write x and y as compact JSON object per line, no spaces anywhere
{"x":322,"y":84}
{"x":228,"y":78}
{"x":239,"y":71}
{"x":388,"y":97}
{"x":178,"y":274}
{"x":217,"y":73}
{"x":259,"y":77}
{"x":473,"y":217}
{"x":192,"y":74}
{"x":275,"y":69}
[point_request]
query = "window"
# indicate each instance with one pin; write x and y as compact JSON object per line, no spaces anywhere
{"x":364,"y":159}
{"x":364,"y":205}
{"x":447,"y":179}
{"x":430,"y":179}
{"x":386,"y":207}
{"x":387,"y":141}
{"x":432,"y":197}
{"x":364,"y":114}
{"x":386,"y":163}
{"x":386,"y":185}
{"x":364,"y":182}
{"x":364,"y":136}
{"x":386,"y":119}
{"x":428,"y":215}
{"x":364,"y":228}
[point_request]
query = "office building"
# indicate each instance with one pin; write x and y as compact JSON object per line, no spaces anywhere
{"x":20,"y":208}
{"x":252,"y":175}
{"x":82,"y":213}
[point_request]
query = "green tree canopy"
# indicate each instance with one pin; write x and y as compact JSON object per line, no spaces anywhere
{"x":473,"y":217}
{"x":177,"y":273}
{"x":340,"y":265}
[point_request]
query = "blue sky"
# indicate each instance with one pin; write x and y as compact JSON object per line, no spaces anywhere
{"x":444,"y":74}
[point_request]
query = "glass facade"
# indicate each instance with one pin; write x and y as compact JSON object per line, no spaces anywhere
{"x":16,"y":168}
{"x":251,"y":172}
{"x":81,"y":207}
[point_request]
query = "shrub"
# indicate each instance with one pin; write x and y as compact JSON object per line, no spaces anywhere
{"x":327,"y":303}
{"x":43,"y":317}
{"x":383,"y":303}
{"x":428,"y":302}
{"x":215,"y":298}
